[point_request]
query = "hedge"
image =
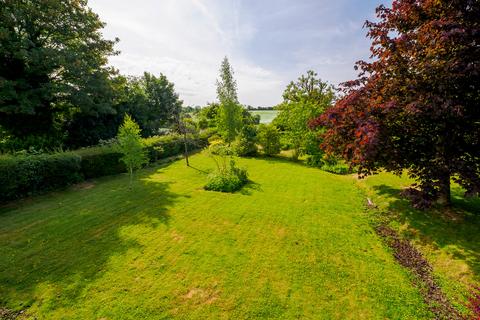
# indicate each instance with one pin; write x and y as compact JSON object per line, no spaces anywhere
{"x":26,"y":175}
{"x":30,"y":174}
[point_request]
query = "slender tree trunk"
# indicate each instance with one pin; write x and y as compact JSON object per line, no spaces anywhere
{"x":131,"y":177}
{"x":444,"y":190}
{"x":186,"y":147}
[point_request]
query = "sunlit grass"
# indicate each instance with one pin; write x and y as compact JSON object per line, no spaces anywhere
{"x":449,"y":238}
{"x":295,"y":243}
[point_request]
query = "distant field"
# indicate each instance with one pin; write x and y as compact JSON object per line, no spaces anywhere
{"x":266,"y":116}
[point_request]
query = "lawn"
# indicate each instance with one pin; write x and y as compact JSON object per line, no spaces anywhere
{"x":450,"y":239}
{"x":295,"y":243}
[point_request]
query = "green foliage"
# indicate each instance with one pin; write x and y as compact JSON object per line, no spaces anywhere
{"x":245,"y":142}
{"x":338,"y":168}
{"x":230,"y":113}
{"x":53,"y":65}
{"x":29,"y":174}
{"x":100,"y":161}
{"x":304,"y":100}
{"x":207,"y":117}
{"x":269,"y":139}
{"x":229,"y":179}
{"x":131,"y":146}
{"x":24,"y":175}
{"x":32,"y":143}
{"x":158,"y":105}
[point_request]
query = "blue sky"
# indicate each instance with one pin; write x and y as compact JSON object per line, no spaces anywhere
{"x":269,"y":42}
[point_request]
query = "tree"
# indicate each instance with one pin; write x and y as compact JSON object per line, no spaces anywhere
{"x":303,"y":101}
{"x":130,"y":145}
{"x":208,"y":116}
{"x":230,"y":111}
{"x":269,"y":139}
{"x":52,"y":65}
{"x":185,"y":126}
{"x":162,"y":105}
{"x":245,"y":143}
{"x":415,"y":106}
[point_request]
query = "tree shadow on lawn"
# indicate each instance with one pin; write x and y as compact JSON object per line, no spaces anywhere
{"x":53,"y":246}
{"x":250,"y":187}
{"x":455,"y":229}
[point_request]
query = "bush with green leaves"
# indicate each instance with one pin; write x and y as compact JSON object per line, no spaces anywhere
{"x":337,"y":168}
{"x":24,"y":175}
{"x":100,"y":161}
{"x":131,"y":146}
{"x":245,"y":143}
{"x":229,"y":179}
{"x":269,"y":139}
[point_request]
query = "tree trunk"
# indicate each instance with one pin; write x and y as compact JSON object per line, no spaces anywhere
{"x":186,"y":147}
{"x":131,"y":177}
{"x":444,"y":190}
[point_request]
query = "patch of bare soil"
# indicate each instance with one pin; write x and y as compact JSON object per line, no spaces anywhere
{"x":203,"y":296}
{"x":84,"y":185}
{"x":6,"y":314}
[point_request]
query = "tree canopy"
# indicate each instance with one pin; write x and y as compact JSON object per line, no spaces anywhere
{"x":303,"y":100}
{"x":230,"y":111}
{"x":52,"y":65}
{"x":415,"y":106}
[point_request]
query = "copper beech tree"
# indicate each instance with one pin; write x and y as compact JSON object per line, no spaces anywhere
{"x":416,"y":102}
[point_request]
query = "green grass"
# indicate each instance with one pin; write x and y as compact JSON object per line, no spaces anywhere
{"x":294,"y":243}
{"x":450,"y":239}
{"x":266,"y":116}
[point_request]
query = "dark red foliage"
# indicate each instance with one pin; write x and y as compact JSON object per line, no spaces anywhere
{"x":474,"y":303}
{"x":416,"y":103}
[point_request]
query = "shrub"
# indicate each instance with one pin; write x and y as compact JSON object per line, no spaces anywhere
{"x":100,"y":161}
{"x":29,"y":174}
{"x":245,"y":142}
{"x":338,"y":168}
{"x":230,"y":179}
{"x":269,"y":139}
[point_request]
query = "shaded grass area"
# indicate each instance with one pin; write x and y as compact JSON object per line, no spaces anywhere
{"x":294,"y":243}
{"x":449,"y":238}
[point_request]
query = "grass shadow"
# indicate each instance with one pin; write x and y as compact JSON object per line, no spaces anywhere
{"x":250,"y":187}
{"x":53,"y":246}
{"x":456,"y":230}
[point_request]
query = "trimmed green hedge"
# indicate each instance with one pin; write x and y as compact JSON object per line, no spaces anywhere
{"x":26,"y":175}
{"x":29,"y":174}
{"x":100,"y":161}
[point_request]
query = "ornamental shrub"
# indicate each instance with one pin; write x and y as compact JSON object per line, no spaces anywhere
{"x":269,"y":139}
{"x":230,"y":179}
{"x":245,"y":143}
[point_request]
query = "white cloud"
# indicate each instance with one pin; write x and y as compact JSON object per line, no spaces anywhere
{"x":186,"y":40}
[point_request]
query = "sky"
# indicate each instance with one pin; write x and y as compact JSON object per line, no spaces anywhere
{"x":268,"y":42}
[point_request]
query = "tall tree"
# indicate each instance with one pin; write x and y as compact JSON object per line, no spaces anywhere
{"x":416,"y":105}
{"x":162,"y":106}
{"x":52,"y":65}
{"x":230,"y":111}
{"x":303,"y":100}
